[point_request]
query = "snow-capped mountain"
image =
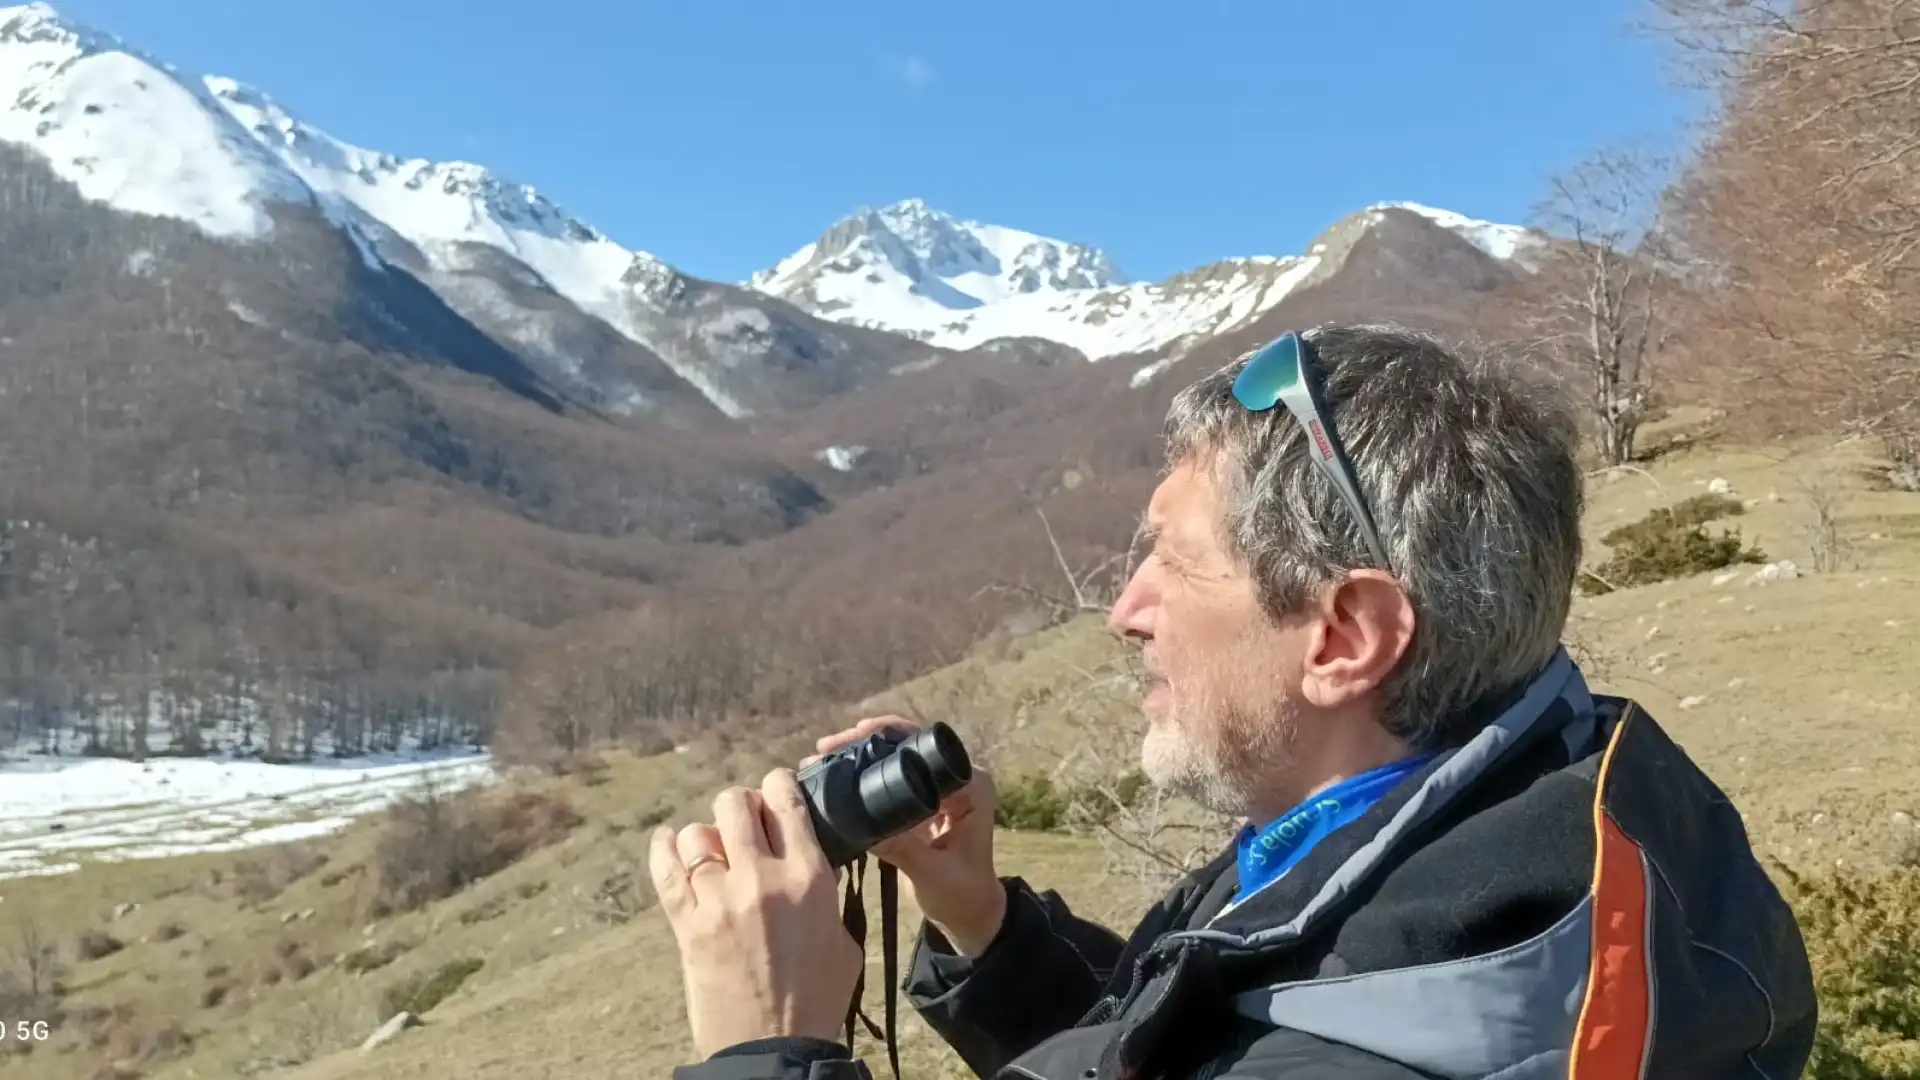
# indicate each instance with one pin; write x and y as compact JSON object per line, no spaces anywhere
{"x":127,"y":132}
{"x":618,"y":324}
{"x":927,"y":275}
{"x":142,"y":137}
{"x":930,"y":264}
{"x":1513,"y":243}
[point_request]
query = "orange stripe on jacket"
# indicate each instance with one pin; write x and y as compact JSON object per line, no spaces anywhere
{"x":1616,"y":1019}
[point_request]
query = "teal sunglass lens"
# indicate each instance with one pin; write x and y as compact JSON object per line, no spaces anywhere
{"x":1272,"y":372}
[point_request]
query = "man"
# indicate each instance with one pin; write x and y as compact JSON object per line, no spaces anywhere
{"x":1458,"y":861}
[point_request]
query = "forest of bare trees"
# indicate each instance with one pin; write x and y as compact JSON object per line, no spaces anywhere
{"x":1800,"y":212}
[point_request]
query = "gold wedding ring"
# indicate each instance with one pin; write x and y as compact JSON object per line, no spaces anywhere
{"x":709,"y":857}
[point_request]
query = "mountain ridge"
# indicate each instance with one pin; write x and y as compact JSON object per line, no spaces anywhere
{"x":867,"y":270}
{"x":91,"y":104}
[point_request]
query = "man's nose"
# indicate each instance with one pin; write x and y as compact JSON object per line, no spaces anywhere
{"x":1132,"y":614}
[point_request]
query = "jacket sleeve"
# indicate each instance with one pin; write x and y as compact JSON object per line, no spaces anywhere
{"x":778,"y":1059}
{"x":1045,"y":970}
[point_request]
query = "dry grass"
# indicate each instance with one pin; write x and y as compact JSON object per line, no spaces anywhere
{"x":1798,"y":697}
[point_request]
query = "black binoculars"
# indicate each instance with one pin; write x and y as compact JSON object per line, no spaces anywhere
{"x":880,"y":787}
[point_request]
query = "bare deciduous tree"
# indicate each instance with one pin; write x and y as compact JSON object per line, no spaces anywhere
{"x":1597,"y":310}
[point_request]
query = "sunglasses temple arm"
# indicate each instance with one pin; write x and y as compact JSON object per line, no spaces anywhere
{"x":1343,"y":482}
{"x":1338,"y":469}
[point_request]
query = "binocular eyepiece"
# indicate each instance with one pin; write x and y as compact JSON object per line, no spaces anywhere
{"x":880,"y":787}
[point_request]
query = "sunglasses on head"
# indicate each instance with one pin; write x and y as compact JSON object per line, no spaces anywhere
{"x":1280,"y":373}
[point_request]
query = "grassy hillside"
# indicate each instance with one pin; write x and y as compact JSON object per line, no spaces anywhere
{"x":1798,"y":696}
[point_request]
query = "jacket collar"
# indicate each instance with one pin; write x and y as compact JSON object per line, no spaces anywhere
{"x":1556,"y":702}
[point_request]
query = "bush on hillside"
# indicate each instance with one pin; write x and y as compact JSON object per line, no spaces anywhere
{"x":1863,"y":937}
{"x":1032,"y":803}
{"x":30,"y":987}
{"x":419,"y":996}
{"x":434,"y":844}
{"x":374,"y":956}
{"x":95,"y":944}
{"x":261,"y":878}
{"x":1036,"y":803}
{"x":1670,"y":542}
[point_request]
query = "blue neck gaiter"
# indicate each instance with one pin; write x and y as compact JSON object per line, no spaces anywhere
{"x":1267,"y":853}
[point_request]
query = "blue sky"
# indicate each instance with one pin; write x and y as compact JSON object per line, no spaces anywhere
{"x":722,"y":134}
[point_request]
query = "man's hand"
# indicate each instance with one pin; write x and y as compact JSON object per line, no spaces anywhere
{"x":755,"y":910}
{"x":948,"y":860}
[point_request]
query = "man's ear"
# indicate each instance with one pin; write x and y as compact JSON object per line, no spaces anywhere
{"x":1366,"y":623}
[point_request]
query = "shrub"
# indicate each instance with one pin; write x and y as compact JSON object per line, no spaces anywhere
{"x":1036,"y":803}
{"x":1863,"y":937}
{"x":435,"y":845}
{"x":491,"y":908}
{"x":374,"y":957}
{"x":1033,"y":803}
{"x":1670,"y":542}
{"x":291,"y":962}
{"x":335,"y":877}
{"x":30,"y":979}
{"x":418,"y":997}
{"x":94,"y":944}
{"x":261,"y":878}
{"x":1099,"y":803}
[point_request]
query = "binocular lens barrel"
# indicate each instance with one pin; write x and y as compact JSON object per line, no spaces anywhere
{"x":898,"y":793}
{"x":881,"y":787}
{"x":945,"y":756}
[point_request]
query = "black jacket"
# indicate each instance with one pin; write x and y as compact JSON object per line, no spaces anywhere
{"x":1565,"y":896}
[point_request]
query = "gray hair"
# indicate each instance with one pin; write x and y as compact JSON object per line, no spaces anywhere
{"x":1469,"y":469}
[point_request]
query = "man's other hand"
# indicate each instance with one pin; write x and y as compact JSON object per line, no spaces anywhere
{"x":755,"y":911}
{"x":948,"y":860}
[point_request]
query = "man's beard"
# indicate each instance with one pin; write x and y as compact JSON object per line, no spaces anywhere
{"x":1214,"y":747}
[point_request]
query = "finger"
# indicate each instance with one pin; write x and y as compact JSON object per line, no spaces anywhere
{"x":789,"y":823}
{"x":736,"y":813}
{"x":873,"y":725}
{"x":976,"y":793}
{"x":669,"y":874}
{"x":703,"y":854}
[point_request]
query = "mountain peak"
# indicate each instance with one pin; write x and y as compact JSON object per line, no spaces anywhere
{"x":45,"y":37}
{"x":17,"y":21}
{"x":1499,"y":241}
{"x":928,"y":266}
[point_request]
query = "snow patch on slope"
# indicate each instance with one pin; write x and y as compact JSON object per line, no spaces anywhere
{"x":441,"y":207}
{"x":842,"y":458}
{"x":126,"y":132}
{"x":1503,"y":242}
{"x":56,"y":813}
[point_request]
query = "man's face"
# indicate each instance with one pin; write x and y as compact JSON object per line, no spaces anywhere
{"x":1219,"y":717}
